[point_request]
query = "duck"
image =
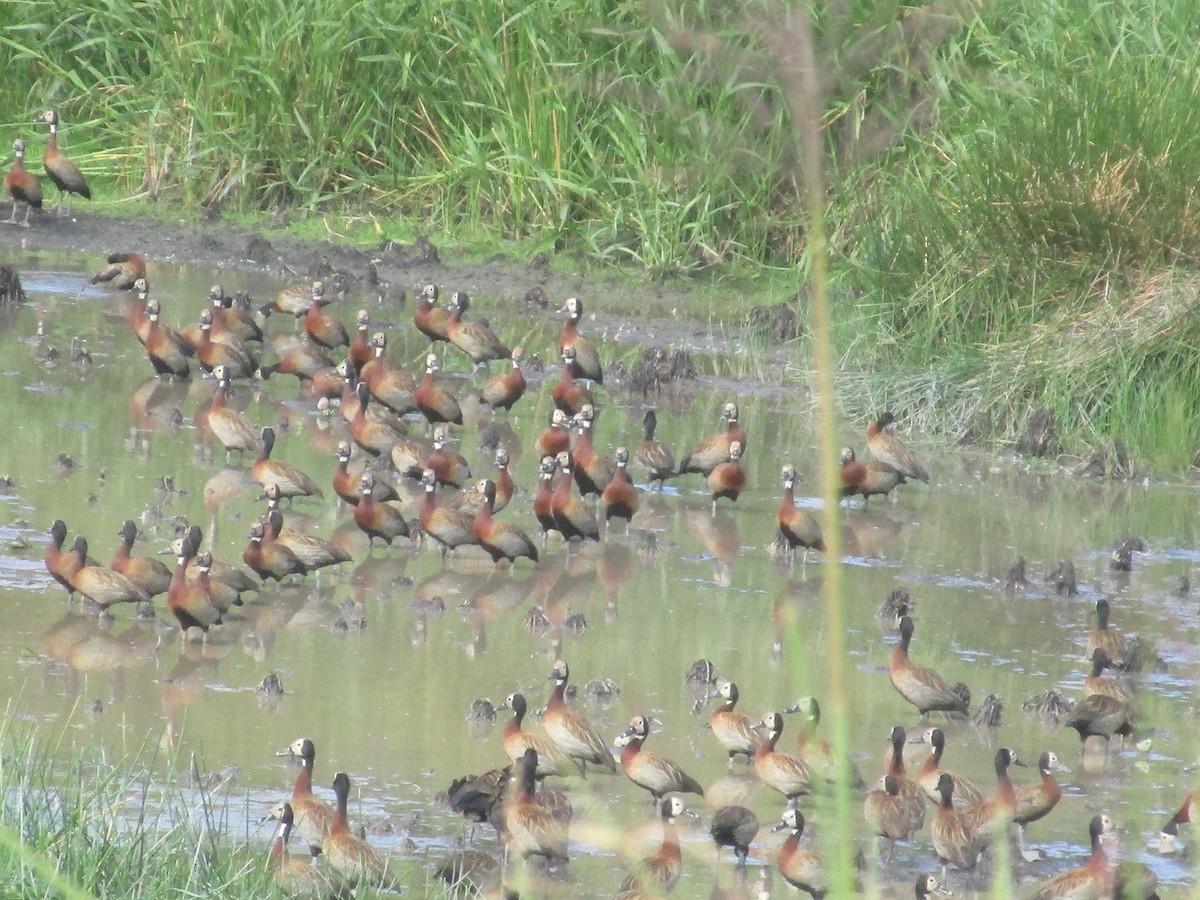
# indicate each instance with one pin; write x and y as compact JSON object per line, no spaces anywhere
{"x":1100,"y":715}
{"x":1094,"y":879}
{"x":192,"y":603}
{"x":550,"y":760}
{"x":568,"y":395}
{"x":392,"y":385}
{"x":61,"y":170}
{"x":585,"y":360}
{"x":148,"y":573}
{"x":890,"y":450}
{"x":909,"y":788}
{"x":290,"y":481}
{"x":475,"y":339}
{"x":313,"y":816}
{"x":803,"y":869}
{"x":953,"y":833}
{"x":360,"y":352}
{"x":232,"y":353}
{"x":965,"y":793}
{"x":728,"y":479}
{"x":1096,"y":683}
{"x":920,"y":685}
{"x":532,"y":829}
{"x":373,"y":436}
{"x":593,"y":472}
{"x":296,"y":299}
{"x":782,"y":771}
{"x":294,"y":877}
{"x":448,"y":467}
{"x":60,"y":562}
{"x":870,"y":479}
{"x":430,"y":319}
{"x":503,"y":391}
{"x":101,"y":585}
{"x":817,"y":752}
{"x":324,"y":331}
{"x":451,"y":529}
{"x":543,"y":497}
{"x":1036,"y":801}
{"x":734,"y":826}
{"x":660,"y":871}
{"x":22,"y":185}
{"x":166,"y":350}
{"x":270,"y":560}
{"x":1168,"y":836}
{"x":888,"y":813}
{"x":474,"y":873}
{"x":653,"y":455}
{"x":570,"y":731}
{"x":378,"y":519}
{"x":555,"y":439}
{"x":713,"y":451}
{"x":232,"y":315}
{"x":313,"y":552}
{"x":651,"y":771}
{"x":797,"y":526}
{"x":436,"y":403}
{"x":304,"y":361}
{"x":230,"y":427}
{"x":227,"y":582}
{"x":1104,"y":637}
{"x":733,"y":730}
{"x":927,"y":885}
{"x":501,"y":540}
{"x":994,"y":812}
{"x":572,"y":518}
{"x":346,"y":483}
{"x":122,"y":271}
{"x":354,"y":860}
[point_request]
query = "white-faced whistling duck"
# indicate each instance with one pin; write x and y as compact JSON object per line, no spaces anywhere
{"x":965,"y":793}
{"x":572,"y":517}
{"x":390,"y":384}
{"x":733,"y":730}
{"x":593,"y":472}
{"x":713,"y":451}
{"x":148,"y":573}
{"x":568,"y":395}
{"x":295,"y":299}
{"x":555,"y":439}
{"x":354,"y":860}
{"x":736,"y":827}
{"x":167,"y":351}
{"x":449,"y":467}
{"x":502,"y":391}
{"x":995,"y":811}
{"x":888,"y":813}
{"x":233,"y":316}
{"x":652,"y":455}
{"x":659,"y":872}
{"x":1035,"y":801}
{"x":920,"y":685}
{"x":230,"y":427}
{"x":550,"y":760}
{"x":785,"y":772}
{"x":360,"y":351}
{"x":324,"y":331}
{"x":649,"y":770}
{"x":61,"y":562}
{"x":314,"y":817}
{"x":228,"y":582}
{"x":23,"y":186}
{"x":803,"y":869}
{"x":270,"y":560}
{"x":59,"y":169}
{"x":101,"y":585}
{"x":431,"y":319}
{"x":121,"y":272}
{"x":889,"y":449}
{"x":378,"y":519}
{"x":1168,"y":837}
{"x":797,"y":526}
{"x":503,"y":479}
{"x":346,"y":483}
{"x":866,"y":479}
{"x":816,"y":751}
{"x":304,"y":361}
{"x":475,"y":339}
{"x":532,"y":829}
{"x":727,"y":479}
{"x":191,"y":603}
{"x":1093,"y":879}
{"x":373,"y":436}
{"x":287,"y":477}
{"x":954,"y":836}
{"x":927,"y":885}
{"x":435,"y":402}
{"x":585,"y":361}
{"x":232,"y":353}
{"x":573,"y":734}
{"x":295,"y":877}
{"x":314,"y":552}
{"x":1099,"y":715}
{"x":1096,"y":683}
{"x":619,"y":498}
{"x":543,"y":496}
{"x":501,"y":540}
{"x":451,"y":529}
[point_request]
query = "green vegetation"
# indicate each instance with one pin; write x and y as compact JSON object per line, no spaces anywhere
{"x":1010,"y":208}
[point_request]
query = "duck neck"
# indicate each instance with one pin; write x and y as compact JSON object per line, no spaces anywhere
{"x":556,"y":696}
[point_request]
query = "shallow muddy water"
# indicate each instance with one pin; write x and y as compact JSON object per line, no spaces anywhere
{"x":387,"y":702}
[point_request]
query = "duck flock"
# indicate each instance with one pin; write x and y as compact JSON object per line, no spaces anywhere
{"x":405,"y":487}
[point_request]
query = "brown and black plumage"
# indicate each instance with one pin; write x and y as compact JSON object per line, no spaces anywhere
{"x":22,"y":185}
{"x":920,"y":685}
{"x":653,"y":455}
{"x":475,"y":339}
{"x":1094,"y":879}
{"x":873,"y":478}
{"x":798,"y":527}
{"x":121,"y":272}
{"x":533,"y":830}
{"x":652,"y":771}
{"x":313,"y":816}
{"x":501,"y":540}
{"x":889,"y":449}
{"x":585,"y":361}
{"x":151,"y":575}
{"x":713,"y":451}
{"x":60,"y":170}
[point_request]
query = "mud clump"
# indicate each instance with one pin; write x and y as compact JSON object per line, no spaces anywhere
{"x":260,"y":250}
